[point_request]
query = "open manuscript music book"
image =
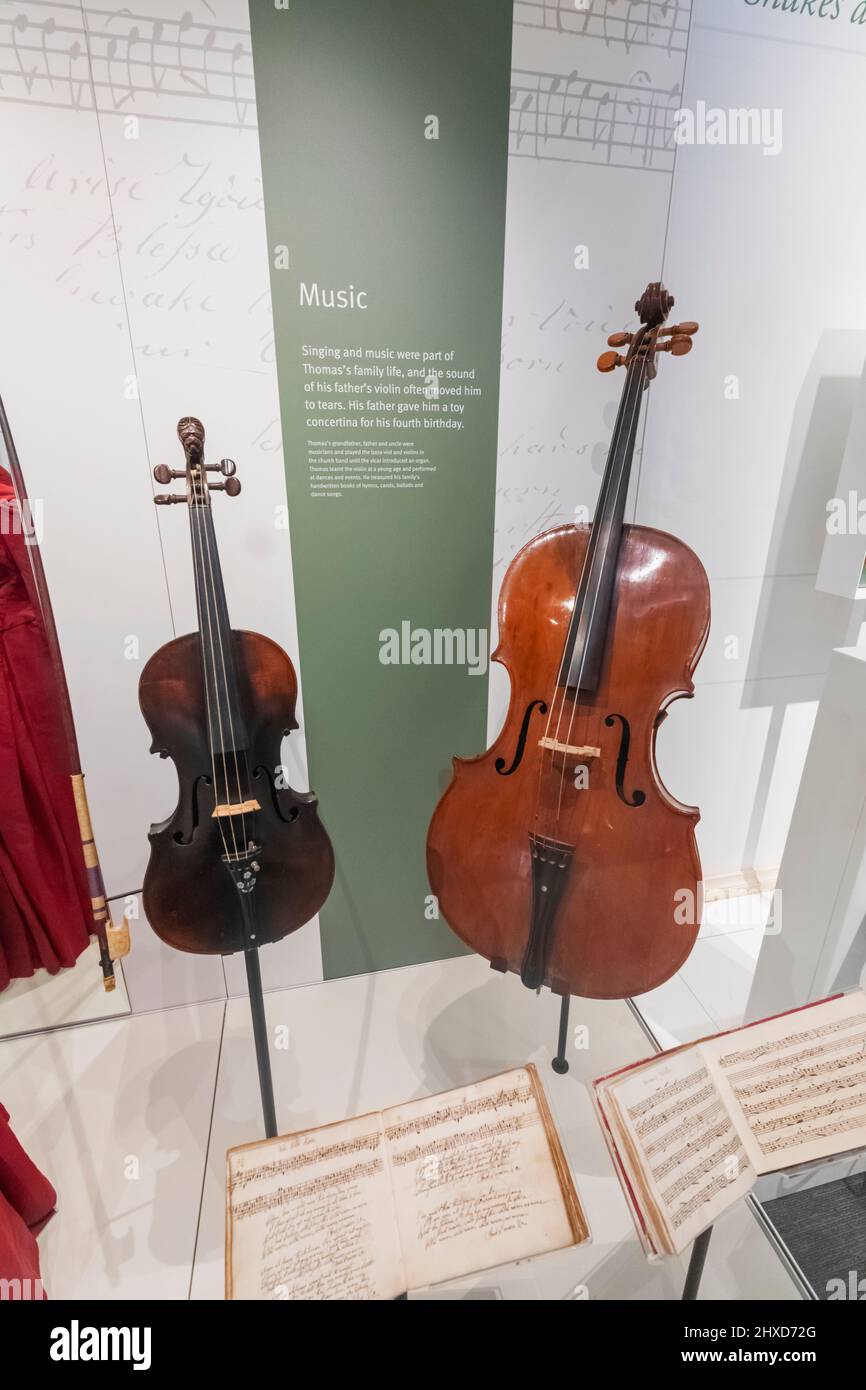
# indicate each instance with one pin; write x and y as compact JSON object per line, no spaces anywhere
{"x":372,"y":1207}
{"x":691,"y":1130}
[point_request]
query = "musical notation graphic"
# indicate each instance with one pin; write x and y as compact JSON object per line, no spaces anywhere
{"x":120,"y":62}
{"x":586,"y":121}
{"x":640,"y":23}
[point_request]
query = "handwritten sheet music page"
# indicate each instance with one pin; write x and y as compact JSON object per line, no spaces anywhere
{"x":679,"y":1146}
{"x":428,"y":1191}
{"x":795,"y":1086}
{"x":311,"y":1216}
{"x":479,"y":1179}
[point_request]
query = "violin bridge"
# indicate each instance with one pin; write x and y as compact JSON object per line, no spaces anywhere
{"x":579,"y":750}
{"x":240,"y":808}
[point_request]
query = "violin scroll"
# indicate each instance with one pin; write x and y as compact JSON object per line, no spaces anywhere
{"x":190,"y":432}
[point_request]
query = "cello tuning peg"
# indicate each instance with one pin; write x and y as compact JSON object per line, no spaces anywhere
{"x":619,"y":339}
{"x":609,"y":360}
{"x":231,"y":487}
{"x":165,"y":499}
{"x":678,"y":346}
{"x":687,"y":330}
{"x":164,"y":474}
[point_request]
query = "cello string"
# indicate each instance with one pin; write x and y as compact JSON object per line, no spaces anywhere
{"x":608,"y":544}
{"x":213,"y":727}
{"x":629,"y":405}
{"x":558,"y":691}
{"x":625,"y":407}
{"x":222,"y":656}
{"x":634,"y":411}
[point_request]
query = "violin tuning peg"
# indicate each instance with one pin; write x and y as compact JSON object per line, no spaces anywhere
{"x":619,"y":339}
{"x":609,"y":360}
{"x":164,"y":474}
{"x":166,"y":499}
{"x":228,"y":467}
{"x":231,"y":487}
{"x":686,"y":330}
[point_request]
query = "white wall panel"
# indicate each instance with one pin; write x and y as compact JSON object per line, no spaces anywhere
{"x":136,"y":248}
{"x":766,"y":252}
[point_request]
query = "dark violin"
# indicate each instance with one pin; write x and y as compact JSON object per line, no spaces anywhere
{"x":558,"y":853}
{"x":243,"y":859}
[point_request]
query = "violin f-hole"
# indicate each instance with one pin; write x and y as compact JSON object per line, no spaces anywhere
{"x":179,"y":837}
{"x":521,"y":740}
{"x":639,"y":797}
{"x":265,"y":772}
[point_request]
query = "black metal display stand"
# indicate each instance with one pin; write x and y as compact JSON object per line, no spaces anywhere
{"x":696,"y":1265}
{"x":701,"y":1244}
{"x":244,"y":875}
{"x":260,"y":1033}
{"x":560,"y":1061}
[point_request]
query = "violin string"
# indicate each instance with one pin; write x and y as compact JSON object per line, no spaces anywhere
{"x":217,"y":727}
{"x":621,"y":480}
{"x":242,"y":785}
{"x":204,"y":612}
{"x":629,"y":404}
{"x":224,"y":667}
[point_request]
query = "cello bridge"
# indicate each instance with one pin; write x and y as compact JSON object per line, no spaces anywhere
{"x":578,"y":750}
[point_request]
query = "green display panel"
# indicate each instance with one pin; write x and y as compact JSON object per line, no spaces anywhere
{"x":384,"y":136}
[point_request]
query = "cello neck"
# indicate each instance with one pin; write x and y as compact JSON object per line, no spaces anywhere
{"x":587,"y":634}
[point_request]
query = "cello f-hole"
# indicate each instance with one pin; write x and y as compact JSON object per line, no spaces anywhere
{"x":638,"y":798}
{"x":521,"y":740}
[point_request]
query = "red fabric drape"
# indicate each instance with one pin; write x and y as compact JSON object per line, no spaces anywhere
{"x":45,"y":916}
{"x":27,"y":1199}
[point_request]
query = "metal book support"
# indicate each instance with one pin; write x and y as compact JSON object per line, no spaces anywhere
{"x":701,"y":1243}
